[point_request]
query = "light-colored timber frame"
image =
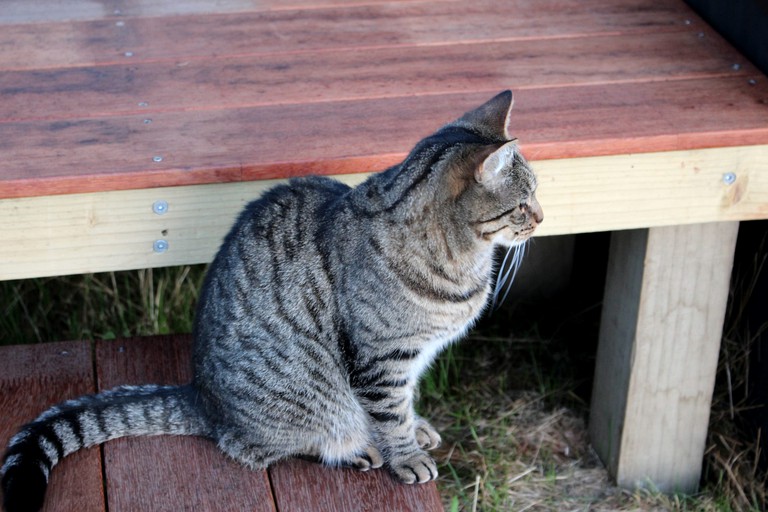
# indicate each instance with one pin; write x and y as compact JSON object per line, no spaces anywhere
{"x":120,"y":230}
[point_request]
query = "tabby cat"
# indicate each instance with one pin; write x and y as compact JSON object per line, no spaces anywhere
{"x":322,"y":308}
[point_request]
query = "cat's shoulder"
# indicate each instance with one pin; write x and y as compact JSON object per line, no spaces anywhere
{"x":306,"y":187}
{"x":318,"y":184}
{"x":303,"y":193}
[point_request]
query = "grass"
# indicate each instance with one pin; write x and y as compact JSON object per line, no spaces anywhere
{"x":99,"y":306}
{"x":510,"y":400}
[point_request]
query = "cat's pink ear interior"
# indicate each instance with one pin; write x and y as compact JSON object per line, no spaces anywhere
{"x":492,"y":117}
{"x":490,"y":170}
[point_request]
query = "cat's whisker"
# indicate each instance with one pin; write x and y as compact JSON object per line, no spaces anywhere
{"x":501,"y":278}
{"x":506,"y":280}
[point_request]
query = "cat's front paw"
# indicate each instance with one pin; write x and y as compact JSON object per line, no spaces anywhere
{"x":418,"y":467}
{"x":370,"y":459}
{"x":426,"y":435}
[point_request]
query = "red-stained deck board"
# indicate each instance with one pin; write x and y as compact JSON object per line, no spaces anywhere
{"x":256,"y":90}
{"x":168,"y":473}
{"x":34,"y":377}
{"x":217,"y":35}
{"x":41,"y":11}
{"x":301,"y":486}
{"x":116,"y":153}
{"x":305,"y":78}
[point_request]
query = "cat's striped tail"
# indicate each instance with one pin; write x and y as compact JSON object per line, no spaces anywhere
{"x":88,"y":421}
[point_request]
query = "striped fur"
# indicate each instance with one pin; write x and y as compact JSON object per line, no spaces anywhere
{"x":320,"y":312}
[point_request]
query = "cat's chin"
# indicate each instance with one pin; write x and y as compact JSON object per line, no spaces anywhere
{"x":518,"y":241}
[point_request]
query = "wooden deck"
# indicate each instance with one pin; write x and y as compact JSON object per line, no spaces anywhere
{"x":132,"y":132}
{"x":102,"y":105}
{"x":170,"y":473}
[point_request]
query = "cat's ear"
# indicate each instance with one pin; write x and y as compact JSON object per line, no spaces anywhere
{"x":492,"y":117}
{"x":491,"y":169}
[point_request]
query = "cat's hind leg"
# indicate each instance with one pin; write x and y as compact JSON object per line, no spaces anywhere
{"x":346,"y":439}
{"x":349,"y":444}
{"x":370,"y":458}
{"x":251,"y":454}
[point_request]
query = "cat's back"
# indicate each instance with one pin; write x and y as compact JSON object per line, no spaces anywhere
{"x":268,"y":266}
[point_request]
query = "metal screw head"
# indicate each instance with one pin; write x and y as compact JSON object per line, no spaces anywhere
{"x":147,"y":121}
{"x":160,"y":246}
{"x":143,"y":104}
{"x":687,"y":22}
{"x":729,"y":178}
{"x":752,"y":81}
{"x":736,"y":67}
{"x":157,"y":158}
{"x":119,"y":23}
{"x":129,"y":54}
{"x":160,"y":207}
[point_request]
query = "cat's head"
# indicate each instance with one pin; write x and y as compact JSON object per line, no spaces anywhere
{"x":492,"y":179}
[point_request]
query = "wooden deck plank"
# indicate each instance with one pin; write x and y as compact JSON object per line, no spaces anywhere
{"x":105,"y":41}
{"x":34,"y":377}
{"x":169,"y":473}
{"x":301,"y":486}
{"x":343,"y":75}
{"x":21,"y":11}
{"x":281,"y":141}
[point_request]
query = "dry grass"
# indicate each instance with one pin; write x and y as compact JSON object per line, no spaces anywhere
{"x":514,"y":427}
{"x":513,"y":449}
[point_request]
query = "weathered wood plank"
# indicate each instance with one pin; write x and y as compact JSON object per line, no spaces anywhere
{"x":22,"y":11}
{"x":169,"y":473}
{"x":116,"y":230}
{"x":87,"y":155}
{"x":34,"y":377}
{"x":60,"y":95}
{"x":301,"y":486}
{"x":105,"y":41}
{"x":660,"y":333}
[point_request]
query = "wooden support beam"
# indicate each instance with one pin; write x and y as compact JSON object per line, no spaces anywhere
{"x":663,"y":314}
{"x":102,"y":231}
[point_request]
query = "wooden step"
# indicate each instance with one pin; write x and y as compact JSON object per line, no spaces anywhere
{"x":169,"y":473}
{"x":199,"y":93}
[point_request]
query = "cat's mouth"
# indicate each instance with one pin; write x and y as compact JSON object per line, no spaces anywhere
{"x":520,"y":236}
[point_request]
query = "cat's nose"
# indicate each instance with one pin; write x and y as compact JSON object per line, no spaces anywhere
{"x":536,"y":212}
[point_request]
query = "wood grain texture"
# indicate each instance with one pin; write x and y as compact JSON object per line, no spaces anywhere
{"x":243,"y":144}
{"x":268,"y":93}
{"x":356,"y":74}
{"x":21,"y":11}
{"x":169,"y":473}
{"x":661,"y":326}
{"x":33,"y":378}
{"x":80,"y":233}
{"x":263,"y":32}
{"x":301,"y":486}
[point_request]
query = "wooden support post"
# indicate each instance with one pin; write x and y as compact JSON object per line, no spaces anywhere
{"x":665,"y":301}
